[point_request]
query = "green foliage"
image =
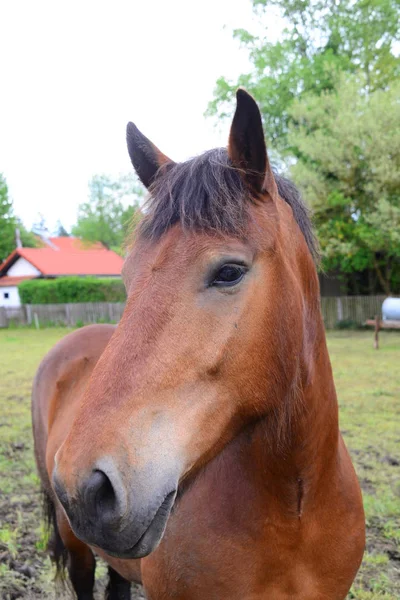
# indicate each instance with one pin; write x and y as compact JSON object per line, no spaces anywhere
{"x":28,"y":238}
{"x":328,"y":90}
{"x":7,"y":231}
{"x":112,"y":207}
{"x":347,"y":324}
{"x":71,"y":289}
{"x":348,"y":168}
{"x":320,"y":41}
{"x":9,"y":223}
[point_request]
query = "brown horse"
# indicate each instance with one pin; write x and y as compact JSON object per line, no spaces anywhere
{"x":201,"y":434}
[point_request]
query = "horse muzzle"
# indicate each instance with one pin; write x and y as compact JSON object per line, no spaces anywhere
{"x":124,"y":521}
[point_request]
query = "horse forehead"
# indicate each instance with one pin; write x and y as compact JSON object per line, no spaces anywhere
{"x":177,"y":249}
{"x":147,"y":255}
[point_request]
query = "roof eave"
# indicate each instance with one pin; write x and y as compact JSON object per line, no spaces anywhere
{"x":9,"y":261}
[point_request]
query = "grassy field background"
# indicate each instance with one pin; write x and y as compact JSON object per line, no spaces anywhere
{"x":368,"y":385}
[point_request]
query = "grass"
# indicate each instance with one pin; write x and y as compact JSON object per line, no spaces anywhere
{"x":25,"y":571}
{"x":368,"y":385}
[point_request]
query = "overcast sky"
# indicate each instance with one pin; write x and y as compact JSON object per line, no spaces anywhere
{"x":73,"y":73}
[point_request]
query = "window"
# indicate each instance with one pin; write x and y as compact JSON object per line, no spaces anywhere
{"x":6,"y":295}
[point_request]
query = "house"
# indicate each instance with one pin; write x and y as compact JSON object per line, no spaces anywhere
{"x":58,"y":257}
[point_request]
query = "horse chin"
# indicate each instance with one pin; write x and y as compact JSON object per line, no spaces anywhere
{"x":152,"y":536}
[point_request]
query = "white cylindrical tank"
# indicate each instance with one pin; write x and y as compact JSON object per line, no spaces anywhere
{"x":391,"y":309}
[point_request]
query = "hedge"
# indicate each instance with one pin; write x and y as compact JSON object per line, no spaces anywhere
{"x":71,"y":289}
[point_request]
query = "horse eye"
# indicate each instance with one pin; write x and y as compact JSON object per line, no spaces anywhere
{"x":229,"y":275}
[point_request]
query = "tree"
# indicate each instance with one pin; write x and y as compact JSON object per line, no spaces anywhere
{"x":9,"y":223}
{"x":329,"y":98}
{"x":112,"y":206}
{"x":348,"y":167}
{"x":321,"y":41}
{"x":28,"y":238}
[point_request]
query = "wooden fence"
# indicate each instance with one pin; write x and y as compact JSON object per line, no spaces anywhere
{"x":62,"y":314}
{"x":355,"y":309}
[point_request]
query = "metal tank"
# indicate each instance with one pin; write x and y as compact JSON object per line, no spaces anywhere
{"x":391,"y":309}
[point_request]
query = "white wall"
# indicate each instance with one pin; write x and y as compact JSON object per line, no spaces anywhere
{"x":22,"y":267}
{"x":13,"y":296}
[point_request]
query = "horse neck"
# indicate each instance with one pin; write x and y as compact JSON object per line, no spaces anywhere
{"x":300,"y":454}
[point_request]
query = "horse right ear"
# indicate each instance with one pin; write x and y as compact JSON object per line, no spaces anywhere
{"x":145,"y":156}
{"x":247,"y":149}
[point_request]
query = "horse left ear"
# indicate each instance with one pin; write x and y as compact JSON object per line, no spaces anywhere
{"x":145,"y":156}
{"x":247,"y":149}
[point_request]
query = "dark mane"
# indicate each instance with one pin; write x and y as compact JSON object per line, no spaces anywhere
{"x":289,"y":192}
{"x":208,"y":193}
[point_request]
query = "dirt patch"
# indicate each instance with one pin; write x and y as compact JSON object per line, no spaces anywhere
{"x":367,"y":486}
{"x":391,"y":460}
{"x":24,"y":566}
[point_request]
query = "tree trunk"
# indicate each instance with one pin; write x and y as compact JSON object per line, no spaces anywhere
{"x":384,"y":282}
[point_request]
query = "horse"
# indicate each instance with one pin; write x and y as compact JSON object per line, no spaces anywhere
{"x":195,"y":446}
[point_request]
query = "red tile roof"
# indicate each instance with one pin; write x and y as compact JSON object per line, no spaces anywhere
{"x":10,"y":281}
{"x":72,"y":244}
{"x":69,"y":256}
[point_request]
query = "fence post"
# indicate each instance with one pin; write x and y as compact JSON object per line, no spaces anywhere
{"x":376,"y":337}
{"x":28,"y":309}
{"x":339,"y":309}
{"x":3,"y":317}
{"x":67,"y":314}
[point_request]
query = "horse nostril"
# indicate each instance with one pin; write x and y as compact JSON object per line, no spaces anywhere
{"x":99,"y":495}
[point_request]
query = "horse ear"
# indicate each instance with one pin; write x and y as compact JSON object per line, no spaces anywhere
{"x":145,"y":156}
{"x":246,"y":147}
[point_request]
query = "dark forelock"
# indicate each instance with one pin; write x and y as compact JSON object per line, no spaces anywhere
{"x":207,"y":193}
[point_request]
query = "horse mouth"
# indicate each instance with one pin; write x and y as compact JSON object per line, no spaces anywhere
{"x":152,"y":535}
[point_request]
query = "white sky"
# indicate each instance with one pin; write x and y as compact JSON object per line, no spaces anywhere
{"x":73,"y":73}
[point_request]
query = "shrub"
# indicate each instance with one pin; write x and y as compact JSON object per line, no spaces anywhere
{"x":71,"y":289}
{"x":347,"y":324}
